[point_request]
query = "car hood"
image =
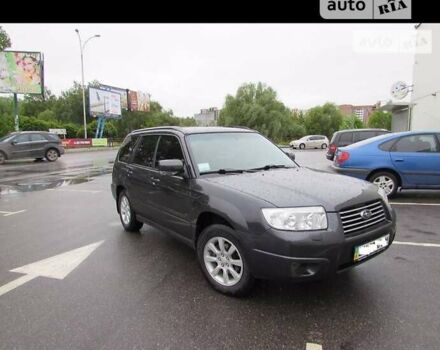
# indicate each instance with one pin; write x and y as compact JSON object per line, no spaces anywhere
{"x":301,"y":187}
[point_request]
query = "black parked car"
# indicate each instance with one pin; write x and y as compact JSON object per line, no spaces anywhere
{"x":247,"y":208}
{"x":347,"y":137}
{"x":30,"y":144}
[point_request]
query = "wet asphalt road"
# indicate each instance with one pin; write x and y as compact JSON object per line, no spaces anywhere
{"x":145,"y":290}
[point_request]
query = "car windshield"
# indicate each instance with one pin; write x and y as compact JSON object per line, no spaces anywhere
{"x":235,"y":151}
{"x":6,"y":138}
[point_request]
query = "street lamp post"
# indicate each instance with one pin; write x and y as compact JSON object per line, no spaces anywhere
{"x":81,"y":47}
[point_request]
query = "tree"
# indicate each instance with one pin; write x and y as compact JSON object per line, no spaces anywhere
{"x":5,"y":41}
{"x":351,"y":122}
{"x":380,"y":120}
{"x":323,"y":120}
{"x":256,"y":106}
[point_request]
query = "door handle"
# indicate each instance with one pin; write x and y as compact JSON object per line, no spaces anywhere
{"x":399,"y":160}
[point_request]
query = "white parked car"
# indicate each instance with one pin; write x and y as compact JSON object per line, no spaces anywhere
{"x":310,"y":141}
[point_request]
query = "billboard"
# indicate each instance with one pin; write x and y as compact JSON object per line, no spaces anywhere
{"x":104,"y":103}
{"x":122,"y":92}
{"x":21,"y":72}
{"x":139,"y":101}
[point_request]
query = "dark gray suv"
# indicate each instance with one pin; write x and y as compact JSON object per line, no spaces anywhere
{"x":247,"y":208}
{"x":30,"y":144}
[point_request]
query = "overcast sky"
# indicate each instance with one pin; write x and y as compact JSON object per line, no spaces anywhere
{"x":187,"y":67}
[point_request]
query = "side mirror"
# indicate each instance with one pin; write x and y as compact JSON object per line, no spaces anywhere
{"x":13,"y":143}
{"x":291,"y":155}
{"x":171,"y":165}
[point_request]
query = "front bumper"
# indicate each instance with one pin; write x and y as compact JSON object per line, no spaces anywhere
{"x":312,"y":255}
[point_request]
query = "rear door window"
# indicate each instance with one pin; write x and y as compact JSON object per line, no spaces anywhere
{"x":37,"y":137}
{"x":345,"y":138}
{"x":144,"y":154}
{"x":363,"y":135}
{"x":417,"y":143}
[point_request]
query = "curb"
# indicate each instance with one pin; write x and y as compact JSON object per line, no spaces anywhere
{"x":89,"y":149}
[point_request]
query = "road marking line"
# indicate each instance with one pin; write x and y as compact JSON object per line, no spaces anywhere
{"x":64,"y":190}
{"x":15,"y":283}
{"x":58,"y":267}
{"x":313,"y":346}
{"x":421,"y":204}
{"x":9,"y":213}
{"x":418,"y":244}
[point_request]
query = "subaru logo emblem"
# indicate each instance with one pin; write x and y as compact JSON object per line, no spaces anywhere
{"x":366,"y":214}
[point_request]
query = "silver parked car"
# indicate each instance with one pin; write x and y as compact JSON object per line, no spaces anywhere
{"x":310,"y":141}
{"x":30,"y":144}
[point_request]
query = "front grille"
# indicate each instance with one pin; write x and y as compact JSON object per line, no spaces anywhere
{"x":353,"y":221}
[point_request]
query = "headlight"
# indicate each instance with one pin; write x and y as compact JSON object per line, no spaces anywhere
{"x":296,"y":219}
{"x":383,"y":194}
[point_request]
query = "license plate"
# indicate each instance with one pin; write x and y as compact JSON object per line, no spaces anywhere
{"x":365,"y":250}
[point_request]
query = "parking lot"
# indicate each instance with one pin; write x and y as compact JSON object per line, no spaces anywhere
{"x":106,"y":289}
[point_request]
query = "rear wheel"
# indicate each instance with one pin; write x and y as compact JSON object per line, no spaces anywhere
{"x":324,"y":146}
{"x":51,"y":154}
{"x":223,"y":261}
{"x":127,"y":215}
{"x":2,"y":157}
{"x":387,"y":181}
{"x":302,"y":146}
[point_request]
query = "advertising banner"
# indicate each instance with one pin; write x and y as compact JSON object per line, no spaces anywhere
{"x":132,"y":100}
{"x":122,"y":92}
{"x":104,"y":103}
{"x":99,"y":142}
{"x":21,"y":72}
{"x":76,"y":143}
{"x":139,"y":101}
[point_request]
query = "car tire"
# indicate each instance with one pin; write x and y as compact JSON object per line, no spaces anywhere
{"x":127,"y":215}
{"x":2,"y":157}
{"x":302,"y":146}
{"x":324,"y":146}
{"x":224,"y":265}
{"x":52,"y":154}
{"x":386,"y":181}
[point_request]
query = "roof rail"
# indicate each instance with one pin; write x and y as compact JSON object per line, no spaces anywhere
{"x":177,"y":128}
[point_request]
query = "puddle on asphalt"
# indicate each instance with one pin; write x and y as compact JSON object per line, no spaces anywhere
{"x":51,"y":181}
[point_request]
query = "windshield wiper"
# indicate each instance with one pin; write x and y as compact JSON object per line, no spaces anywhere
{"x":272,"y":166}
{"x":224,"y":171}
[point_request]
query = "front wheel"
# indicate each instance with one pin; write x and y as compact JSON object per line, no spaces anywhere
{"x":51,"y":154}
{"x":302,"y":146}
{"x":127,"y":215}
{"x":223,"y":262}
{"x":386,"y":181}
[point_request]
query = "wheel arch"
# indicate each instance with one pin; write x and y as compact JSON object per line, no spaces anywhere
{"x":386,"y":170}
{"x":206,"y":219}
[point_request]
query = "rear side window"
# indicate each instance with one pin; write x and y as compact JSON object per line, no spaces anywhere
{"x":345,"y":138}
{"x":144,"y":154}
{"x":52,"y":137}
{"x":364,"y":135}
{"x":37,"y":137}
{"x":169,"y":148}
{"x":416,"y":143}
{"x":127,"y":149}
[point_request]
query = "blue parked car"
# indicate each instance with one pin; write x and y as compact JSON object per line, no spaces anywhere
{"x":406,"y":160}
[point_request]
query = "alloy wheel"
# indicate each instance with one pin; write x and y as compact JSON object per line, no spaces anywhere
{"x":386,"y":183}
{"x":223,"y":261}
